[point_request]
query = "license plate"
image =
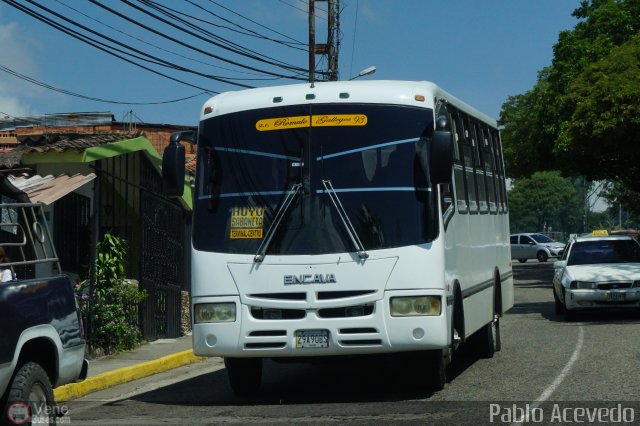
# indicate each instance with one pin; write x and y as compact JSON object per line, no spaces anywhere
{"x":312,"y":339}
{"x":616,"y":295}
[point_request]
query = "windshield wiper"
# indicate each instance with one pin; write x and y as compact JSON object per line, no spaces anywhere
{"x":345,"y":220}
{"x":282,"y":210}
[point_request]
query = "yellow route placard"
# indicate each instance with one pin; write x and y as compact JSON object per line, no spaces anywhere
{"x":324,"y":120}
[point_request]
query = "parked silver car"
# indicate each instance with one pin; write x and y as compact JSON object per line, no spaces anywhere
{"x":534,"y":246}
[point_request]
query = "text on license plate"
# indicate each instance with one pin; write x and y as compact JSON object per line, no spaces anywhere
{"x":312,"y":338}
{"x":615,"y":295}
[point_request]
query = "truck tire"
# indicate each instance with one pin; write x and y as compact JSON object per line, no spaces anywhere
{"x":31,"y":385}
{"x":245,"y":375}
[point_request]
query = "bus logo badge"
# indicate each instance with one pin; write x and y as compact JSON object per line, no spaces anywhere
{"x":309,"y":279}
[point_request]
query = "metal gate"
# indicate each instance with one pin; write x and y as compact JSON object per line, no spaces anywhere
{"x":162,"y":266}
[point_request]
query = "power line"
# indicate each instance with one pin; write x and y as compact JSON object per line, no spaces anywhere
{"x":155,"y":45}
{"x":252,"y":21}
{"x":93,"y":43}
{"x":246,"y":31}
{"x":178,"y":27}
{"x":189,"y":46}
{"x":91,"y":98}
{"x":233,"y":47}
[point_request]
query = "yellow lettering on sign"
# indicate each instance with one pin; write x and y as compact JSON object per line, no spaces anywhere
{"x":283,"y":123}
{"x":339,"y":120}
{"x":246,"y":222}
{"x":327,"y":120}
{"x":245,"y":233}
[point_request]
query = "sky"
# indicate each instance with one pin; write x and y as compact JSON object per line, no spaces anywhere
{"x":480,"y":51}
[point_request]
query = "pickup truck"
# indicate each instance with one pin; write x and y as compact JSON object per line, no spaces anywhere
{"x":42,"y":342}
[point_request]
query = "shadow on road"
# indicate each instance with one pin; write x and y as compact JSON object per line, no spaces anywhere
{"x":362,"y":379}
{"x":546,"y":310}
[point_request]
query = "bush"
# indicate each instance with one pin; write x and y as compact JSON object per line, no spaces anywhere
{"x":110,"y":308}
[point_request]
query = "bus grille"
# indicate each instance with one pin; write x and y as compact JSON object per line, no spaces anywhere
{"x":347,"y":311}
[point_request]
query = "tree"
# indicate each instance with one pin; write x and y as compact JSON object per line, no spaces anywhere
{"x":581,"y":117}
{"x":602,"y":136}
{"x":545,"y":201}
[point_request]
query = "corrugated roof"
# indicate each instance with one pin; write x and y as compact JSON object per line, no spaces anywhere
{"x":48,"y":189}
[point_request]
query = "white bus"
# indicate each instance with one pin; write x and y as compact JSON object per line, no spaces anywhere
{"x":345,"y":218}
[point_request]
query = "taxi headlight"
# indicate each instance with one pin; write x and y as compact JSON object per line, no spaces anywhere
{"x":214,"y":312}
{"x":408,"y":306}
{"x":583,"y":285}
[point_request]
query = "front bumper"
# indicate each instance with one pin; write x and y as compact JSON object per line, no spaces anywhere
{"x":594,"y":299}
{"x":374,"y":333}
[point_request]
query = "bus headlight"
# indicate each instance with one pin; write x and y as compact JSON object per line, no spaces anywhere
{"x":408,"y":306}
{"x":214,"y":312}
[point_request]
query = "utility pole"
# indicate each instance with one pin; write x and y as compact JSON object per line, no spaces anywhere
{"x":331,"y":47}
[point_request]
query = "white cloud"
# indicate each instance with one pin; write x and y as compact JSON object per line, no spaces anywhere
{"x":18,"y":54}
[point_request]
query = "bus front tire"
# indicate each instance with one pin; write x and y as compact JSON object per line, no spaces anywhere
{"x":245,"y":375}
{"x":436,"y":369}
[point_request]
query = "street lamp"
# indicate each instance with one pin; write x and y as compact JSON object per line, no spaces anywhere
{"x":366,"y":71}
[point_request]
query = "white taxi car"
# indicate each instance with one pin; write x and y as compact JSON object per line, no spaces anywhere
{"x":597,"y":272}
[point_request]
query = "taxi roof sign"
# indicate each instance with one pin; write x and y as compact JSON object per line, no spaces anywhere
{"x":600,"y":233}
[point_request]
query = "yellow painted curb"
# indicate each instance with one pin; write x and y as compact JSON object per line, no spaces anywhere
{"x":123,"y":375}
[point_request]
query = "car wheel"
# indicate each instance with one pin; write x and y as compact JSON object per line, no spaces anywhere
{"x":32,"y":386}
{"x":245,"y":375}
{"x":542,"y":256}
{"x":522,"y":260}
{"x":558,"y":304}
{"x":569,"y":314}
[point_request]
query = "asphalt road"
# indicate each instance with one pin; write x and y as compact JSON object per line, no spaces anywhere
{"x":548,"y":371}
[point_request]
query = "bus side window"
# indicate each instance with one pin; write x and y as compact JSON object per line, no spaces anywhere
{"x":468,"y":167}
{"x":460,"y":185}
{"x":476,"y":139}
{"x":500,"y":175}
{"x":487,"y":161}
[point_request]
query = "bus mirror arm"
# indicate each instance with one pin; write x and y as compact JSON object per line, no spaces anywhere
{"x":441,"y":156}
{"x":173,"y":163}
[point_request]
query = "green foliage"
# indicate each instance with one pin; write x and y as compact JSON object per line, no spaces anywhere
{"x":110,"y":307}
{"x":602,"y":133}
{"x":582,"y":116}
{"x":546,"y":201}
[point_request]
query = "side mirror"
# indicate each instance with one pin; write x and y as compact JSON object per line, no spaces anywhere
{"x":173,"y":160}
{"x":441,"y":154}
{"x":559,"y":264}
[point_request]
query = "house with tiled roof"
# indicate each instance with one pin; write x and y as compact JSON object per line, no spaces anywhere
{"x":92,"y":180}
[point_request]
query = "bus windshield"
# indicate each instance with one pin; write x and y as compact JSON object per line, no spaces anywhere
{"x":251,"y":163}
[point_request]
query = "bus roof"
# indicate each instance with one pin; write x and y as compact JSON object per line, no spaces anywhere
{"x":392,"y":92}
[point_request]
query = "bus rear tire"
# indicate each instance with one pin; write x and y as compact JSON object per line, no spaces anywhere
{"x":245,"y":375}
{"x":486,"y":341}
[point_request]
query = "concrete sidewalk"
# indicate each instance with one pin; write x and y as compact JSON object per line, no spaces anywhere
{"x":151,"y":358}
